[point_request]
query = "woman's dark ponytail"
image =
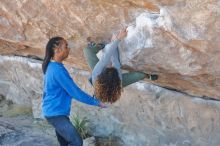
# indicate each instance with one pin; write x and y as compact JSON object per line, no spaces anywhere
{"x":49,"y":53}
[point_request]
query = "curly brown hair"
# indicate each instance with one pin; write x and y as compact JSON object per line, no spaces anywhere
{"x":108,"y":85}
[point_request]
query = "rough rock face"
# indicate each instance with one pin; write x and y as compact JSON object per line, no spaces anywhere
{"x":21,"y":83}
{"x":180,"y":43}
{"x":24,"y":132}
{"x":179,"y":40}
{"x":145,"y":114}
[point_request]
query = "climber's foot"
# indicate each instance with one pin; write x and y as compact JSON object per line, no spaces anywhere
{"x":92,"y":43}
{"x":152,"y":77}
{"x":101,"y":45}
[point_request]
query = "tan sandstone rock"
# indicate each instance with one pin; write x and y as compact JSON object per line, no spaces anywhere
{"x":179,"y":40}
{"x":145,"y":114}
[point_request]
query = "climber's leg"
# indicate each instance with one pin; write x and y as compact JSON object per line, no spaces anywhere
{"x":132,"y":77}
{"x":90,"y":53}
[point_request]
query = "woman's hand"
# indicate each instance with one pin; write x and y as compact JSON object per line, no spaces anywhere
{"x":102,"y":105}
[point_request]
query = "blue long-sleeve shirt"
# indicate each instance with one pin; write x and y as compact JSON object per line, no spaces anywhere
{"x":59,"y":89}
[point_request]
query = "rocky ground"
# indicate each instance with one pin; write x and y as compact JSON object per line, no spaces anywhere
{"x":19,"y":128}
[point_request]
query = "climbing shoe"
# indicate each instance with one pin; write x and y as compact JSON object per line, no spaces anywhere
{"x":152,"y":77}
{"x":101,"y":45}
{"x":92,"y":44}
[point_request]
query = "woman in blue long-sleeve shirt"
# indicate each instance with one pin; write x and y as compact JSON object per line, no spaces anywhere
{"x":59,"y":89}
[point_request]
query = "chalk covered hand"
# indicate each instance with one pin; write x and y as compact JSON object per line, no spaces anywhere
{"x":119,"y":36}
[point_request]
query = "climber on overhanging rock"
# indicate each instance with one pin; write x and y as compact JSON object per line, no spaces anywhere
{"x":106,"y":77}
